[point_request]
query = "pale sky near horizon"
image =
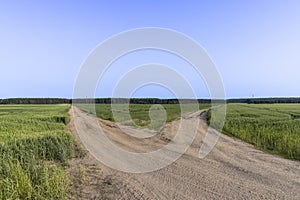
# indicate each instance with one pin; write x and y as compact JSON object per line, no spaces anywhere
{"x":255,"y":44}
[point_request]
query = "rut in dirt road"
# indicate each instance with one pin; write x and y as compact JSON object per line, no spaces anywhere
{"x":233,"y":170}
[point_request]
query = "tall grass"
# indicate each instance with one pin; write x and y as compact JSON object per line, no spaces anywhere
{"x":273,"y":128}
{"x":34,"y":145}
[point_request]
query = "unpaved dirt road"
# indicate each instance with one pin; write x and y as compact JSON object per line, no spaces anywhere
{"x":233,"y":170}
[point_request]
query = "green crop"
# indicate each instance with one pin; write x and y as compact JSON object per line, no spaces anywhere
{"x":274,"y":128}
{"x":34,"y":145}
{"x":139,"y":113}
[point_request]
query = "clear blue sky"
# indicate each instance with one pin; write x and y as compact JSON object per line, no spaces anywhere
{"x":255,"y":44}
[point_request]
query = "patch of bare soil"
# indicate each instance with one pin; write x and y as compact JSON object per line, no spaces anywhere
{"x":88,"y":181}
{"x":233,"y":170}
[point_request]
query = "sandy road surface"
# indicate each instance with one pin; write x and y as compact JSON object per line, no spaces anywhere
{"x":233,"y":170}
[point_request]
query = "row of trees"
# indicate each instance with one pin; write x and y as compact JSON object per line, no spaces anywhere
{"x":143,"y":101}
{"x":35,"y":101}
{"x":99,"y":101}
{"x":282,"y":100}
{"x":140,"y":101}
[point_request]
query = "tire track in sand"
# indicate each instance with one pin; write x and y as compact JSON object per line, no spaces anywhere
{"x":233,"y":170}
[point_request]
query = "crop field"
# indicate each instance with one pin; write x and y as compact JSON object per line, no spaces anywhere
{"x":140,"y":112}
{"x":34,"y":146}
{"x":274,"y":128}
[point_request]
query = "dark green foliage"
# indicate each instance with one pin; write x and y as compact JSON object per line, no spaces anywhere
{"x":282,"y":100}
{"x":35,"y":101}
{"x":139,"y":101}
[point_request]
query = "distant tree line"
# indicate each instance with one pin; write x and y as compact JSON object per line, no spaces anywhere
{"x":280,"y":100}
{"x":140,"y":101}
{"x":144,"y":101}
{"x":35,"y":101}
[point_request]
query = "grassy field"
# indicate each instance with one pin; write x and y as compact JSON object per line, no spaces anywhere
{"x":274,"y":128}
{"x":140,"y":113}
{"x":34,"y":146}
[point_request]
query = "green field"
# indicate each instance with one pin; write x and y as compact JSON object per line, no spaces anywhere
{"x":34,"y":146}
{"x":274,"y":128}
{"x":140,"y":112}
